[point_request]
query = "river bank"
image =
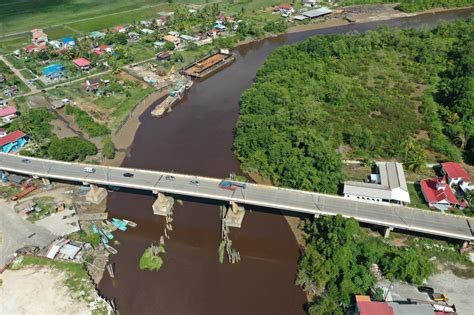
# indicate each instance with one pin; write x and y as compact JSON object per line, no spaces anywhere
{"x":125,"y":135}
{"x":197,"y":138}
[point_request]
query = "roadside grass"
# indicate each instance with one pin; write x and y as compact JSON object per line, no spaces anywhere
{"x":17,"y":63}
{"x":12,"y":78}
{"x":8,"y":191}
{"x":47,"y":208}
{"x":416,"y":196}
{"x":27,"y":74}
{"x":141,"y":52}
{"x":127,"y":104}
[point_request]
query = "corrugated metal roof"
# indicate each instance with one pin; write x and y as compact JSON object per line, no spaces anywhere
{"x":392,"y":175}
{"x":317,"y":12}
{"x":368,"y":190}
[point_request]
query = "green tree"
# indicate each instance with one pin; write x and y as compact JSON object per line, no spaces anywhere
{"x":108,"y":148}
{"x":70,"y":149}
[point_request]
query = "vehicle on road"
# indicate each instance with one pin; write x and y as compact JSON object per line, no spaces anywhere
{"x":25,"y":161}
{"x":194,"y":182}
{"x":89,"y":170}
{"x":127,"y":174}
{"x":428,"y":290}
{"x":169,"y":177}
{"x":231,"y":185}
{"x":440,"y":297}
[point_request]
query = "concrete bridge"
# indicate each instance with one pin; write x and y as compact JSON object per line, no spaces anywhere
{"x":388,"y":216}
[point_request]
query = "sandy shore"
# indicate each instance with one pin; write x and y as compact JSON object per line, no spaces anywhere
{"x":38,"y":290}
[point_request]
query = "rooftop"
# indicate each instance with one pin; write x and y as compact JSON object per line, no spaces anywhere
{"x":455,"y":170}
{"x":9,"y":110}
{"x":81,"y":62}
{"x":317,"y":12}
{"x":13,"y":136}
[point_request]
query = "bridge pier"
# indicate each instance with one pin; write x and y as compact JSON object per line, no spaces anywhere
{"x":96,"y":194}
{"x":235,"y":215}
{"x":317,"y":215}
{"x":387,"y":231}
{"x":162,"y":205}
{"x":45,"y":181}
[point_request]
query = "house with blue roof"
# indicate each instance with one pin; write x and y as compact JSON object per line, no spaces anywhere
{"x":54,"y":71}
{"x":68,"y":42}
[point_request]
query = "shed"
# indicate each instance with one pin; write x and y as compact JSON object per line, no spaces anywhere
{"x":317,"y":12}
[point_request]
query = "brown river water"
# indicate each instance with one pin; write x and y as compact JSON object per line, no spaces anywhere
{"x":196,"y":138}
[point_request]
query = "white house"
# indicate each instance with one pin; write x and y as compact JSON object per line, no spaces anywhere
{"x":388,"y":185}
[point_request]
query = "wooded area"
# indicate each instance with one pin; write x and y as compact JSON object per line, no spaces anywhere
{"x":384,"y":94}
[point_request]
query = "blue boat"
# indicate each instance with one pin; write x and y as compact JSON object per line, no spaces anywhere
{"x":106,"y":234}
{"x":121,"y":225}
{"x":94,"y":229}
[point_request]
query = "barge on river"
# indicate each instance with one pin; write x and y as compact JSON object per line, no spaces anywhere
{"x":209,"y":64}
{"x":173,"y":97}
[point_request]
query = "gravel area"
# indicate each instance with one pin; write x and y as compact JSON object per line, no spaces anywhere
{"x":16,"y":233}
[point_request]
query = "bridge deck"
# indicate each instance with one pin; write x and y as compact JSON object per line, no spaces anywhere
{"x":418,"y":220}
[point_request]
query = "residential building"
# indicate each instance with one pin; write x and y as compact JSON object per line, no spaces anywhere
{"x":119,"y":29}
{"x":10,"y":90}
{"x":212,"y":33}
{"x":164,"y":55}
{"x":34,"y":48}
{"x":284,"y":9}
{"x":39,"y":37}
{"x":60,"y":103}
{"x":68,"y":42}
{"x":309,"y":3}
{"x":82,"y":63}
{"x":97,"y":35}
{"x":455,"y":173}
{"x":159,"y":44}
{"x":364,"y":306}
{"x":3,"y":132}
{"x":411,"y":309}
{"x":133,"y":36}
{"x":3,"y":102}
{"x":387,"y":185}
{"x":54,"y":71}
{"x":2,"y":78}
{"x":439,"y":194}
{"x":92,"y":85}
{"x":172,"y":39}
{"x":102,"y":49}
{"x":8,"y":114}
{"x":146,"y":31}
{"x":13,"y":141}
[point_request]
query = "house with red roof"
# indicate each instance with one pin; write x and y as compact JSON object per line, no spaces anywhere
{"x":13,"y":141}
{"x":39,"y":37}
{"x":439,"y":194}
{"x":102,"y":49}
{"x":34,"y":48}
{"x":82,"y":63}
{"x":455,"y":173}
{"x":119,"y":29}
{"x":284,"y":9}
{"x":364,"y":306}
{"x":8,"y":113}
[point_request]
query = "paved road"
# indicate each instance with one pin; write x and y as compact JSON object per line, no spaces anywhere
{"x":418,"y":220}
{"x":16,"y":233}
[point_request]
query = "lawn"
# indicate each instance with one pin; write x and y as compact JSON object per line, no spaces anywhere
{"x":22,"y":16}
{"x":416,"y":196}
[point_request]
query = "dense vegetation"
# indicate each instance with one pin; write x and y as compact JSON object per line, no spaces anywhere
{"x":86,"y":122}
{"x":417,"y":5}
{"x":337,"y":262}
{"x":371,"y":95}
{"x":70,"y":149}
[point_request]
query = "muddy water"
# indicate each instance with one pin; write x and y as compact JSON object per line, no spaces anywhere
{"x":196,"y":138}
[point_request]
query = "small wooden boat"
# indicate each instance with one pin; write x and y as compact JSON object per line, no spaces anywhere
{"x":110,"y":249}
{"x":130,"y":223}
{"x":122,"y":226}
